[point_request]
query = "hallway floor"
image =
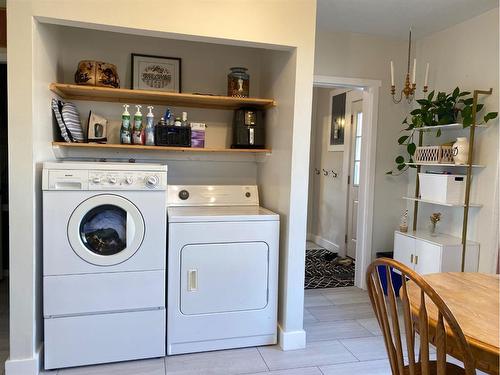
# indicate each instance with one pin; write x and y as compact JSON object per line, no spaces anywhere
{"x":342,"y":334}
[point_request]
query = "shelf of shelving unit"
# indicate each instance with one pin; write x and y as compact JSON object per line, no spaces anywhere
{"x":441,"y":203}
{"x":105,"y":94}
{"x":110,"y":146}
{"x":446,"y":165}
{"x":447,"y":127}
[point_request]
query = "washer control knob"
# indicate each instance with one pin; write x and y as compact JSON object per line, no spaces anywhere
{"x":152,"y":181}
{"x":183,"y":194}
{"x":129,"y":180}
{"x":96,"y":180}
{"x":112,"y":180}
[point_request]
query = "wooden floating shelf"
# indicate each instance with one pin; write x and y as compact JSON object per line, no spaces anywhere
{"x":441,"y":203}
{"x":455,"y":126}
{"x":109,"y":146}
{"x":446,"y":165}
{"x":105,"y":94}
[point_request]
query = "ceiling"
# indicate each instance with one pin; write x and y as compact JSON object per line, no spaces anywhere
{"x":392,"y":18}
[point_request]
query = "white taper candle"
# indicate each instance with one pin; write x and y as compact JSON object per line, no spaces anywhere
{"x":426,"y":75}
{"x":414,"y":70}
{"x":392,"y":73}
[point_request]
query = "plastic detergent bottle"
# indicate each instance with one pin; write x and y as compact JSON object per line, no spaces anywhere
{"x":125,"y":136}
{"x":150,"y":127}
{"x":138,"y":133}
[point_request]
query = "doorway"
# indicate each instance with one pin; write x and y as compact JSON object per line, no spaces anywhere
{"x":340,"y":210}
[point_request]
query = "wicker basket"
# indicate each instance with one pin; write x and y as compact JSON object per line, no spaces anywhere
{"x":434,"y":154}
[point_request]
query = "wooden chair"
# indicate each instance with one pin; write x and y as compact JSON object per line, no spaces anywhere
{"x":386,"y":311}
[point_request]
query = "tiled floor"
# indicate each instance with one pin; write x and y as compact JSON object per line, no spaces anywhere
{"x":342,"y":339}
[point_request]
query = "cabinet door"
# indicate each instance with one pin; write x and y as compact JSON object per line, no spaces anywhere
{"x":404,"y":249}
{"x":428,"y":257}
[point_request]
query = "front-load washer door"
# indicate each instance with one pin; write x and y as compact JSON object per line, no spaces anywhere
{"x":106,"y":230}
{"x":224,"y":277}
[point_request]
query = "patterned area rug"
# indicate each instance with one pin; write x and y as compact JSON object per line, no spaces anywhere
{"x":322,"y":272}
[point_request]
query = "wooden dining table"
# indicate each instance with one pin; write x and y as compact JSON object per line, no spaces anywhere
{"x":473,"y":298}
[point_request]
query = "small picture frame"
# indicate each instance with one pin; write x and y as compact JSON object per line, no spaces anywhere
{"x":156,"y":73}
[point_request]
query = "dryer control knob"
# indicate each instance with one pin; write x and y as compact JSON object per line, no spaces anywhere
{"x":152,"y":181}
{"x":112,"y":180}
{"x":184,"y":194}
{"x":129,"y":180}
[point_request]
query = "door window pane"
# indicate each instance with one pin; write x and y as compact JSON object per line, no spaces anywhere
{"x":357,"y":148}
{"x":103,"y":230}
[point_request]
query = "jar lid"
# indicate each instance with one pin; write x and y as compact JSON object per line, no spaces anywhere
{"x":238,"y":68}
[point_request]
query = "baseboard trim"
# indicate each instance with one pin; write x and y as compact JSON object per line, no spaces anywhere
{"x":291,"y":340}
{"x":27,"y":366}
{"x":323,"y":243}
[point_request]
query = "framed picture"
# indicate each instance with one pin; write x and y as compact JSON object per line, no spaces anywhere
{"x":337,"y":124}
{"x":156,"y":73}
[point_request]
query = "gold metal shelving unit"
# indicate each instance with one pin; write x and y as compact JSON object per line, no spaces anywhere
{"x":469,"y":167}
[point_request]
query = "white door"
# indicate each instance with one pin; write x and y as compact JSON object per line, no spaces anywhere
{"x":224,"y":277}
{"x":354,"y":175}
{"x":106,"y":230}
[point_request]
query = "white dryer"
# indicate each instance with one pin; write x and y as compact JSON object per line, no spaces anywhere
{"x":104,"y":262}
{"x":222,"y":269}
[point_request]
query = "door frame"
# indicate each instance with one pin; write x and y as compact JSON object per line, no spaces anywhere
{"x":367,"y":173}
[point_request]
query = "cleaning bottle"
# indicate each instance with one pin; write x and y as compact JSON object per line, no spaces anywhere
{"x":125,"y":137}
{"x":184,"y":121}
{"x":150,"y":127}
{"x":138,"y":133}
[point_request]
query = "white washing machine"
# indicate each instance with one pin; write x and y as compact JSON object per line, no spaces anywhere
{"x":104,"y":262}
{"x":222,"y":269}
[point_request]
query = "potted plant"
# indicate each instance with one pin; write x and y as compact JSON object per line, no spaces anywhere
{"x":440,"y":109}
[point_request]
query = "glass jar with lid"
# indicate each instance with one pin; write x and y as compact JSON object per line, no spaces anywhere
{"x":238,"y":82}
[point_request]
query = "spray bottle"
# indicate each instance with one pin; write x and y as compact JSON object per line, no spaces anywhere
{"x":150,"y":127}
{"x":125,"y":137}
{"x":138,"y":133}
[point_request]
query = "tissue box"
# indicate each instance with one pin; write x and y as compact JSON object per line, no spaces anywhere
{"x":198,"y":134}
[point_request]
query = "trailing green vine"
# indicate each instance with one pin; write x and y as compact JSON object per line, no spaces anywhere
{"x":440,"y":109}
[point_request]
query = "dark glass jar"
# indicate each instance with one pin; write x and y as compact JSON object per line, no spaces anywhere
{"x":238,"y":82}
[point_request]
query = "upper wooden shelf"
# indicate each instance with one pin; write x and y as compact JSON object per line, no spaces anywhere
{"x":105,"y":94}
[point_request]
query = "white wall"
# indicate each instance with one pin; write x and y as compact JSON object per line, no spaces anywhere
{"x":328,"y":195}
{"x":466,"y":55}
{"x":278,"y":24}
{"x":363,"y":56}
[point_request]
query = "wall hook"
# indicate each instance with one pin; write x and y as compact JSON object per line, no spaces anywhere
{"x":325,"y":172}
{"x":316,"y":171}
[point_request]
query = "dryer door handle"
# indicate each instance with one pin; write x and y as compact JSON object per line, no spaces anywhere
{"x":192,"y":280}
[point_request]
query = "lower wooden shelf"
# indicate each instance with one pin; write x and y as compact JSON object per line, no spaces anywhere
{"x":99,"y":151}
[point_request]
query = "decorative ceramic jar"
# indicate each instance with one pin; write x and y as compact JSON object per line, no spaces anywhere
{"x":238,"y":83}
{"x":461,"y":151}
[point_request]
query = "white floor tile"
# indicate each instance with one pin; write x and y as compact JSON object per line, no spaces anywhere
{"x":366,"y":348}
{"x":315,"y":354}
{"x":371,"y":324}
{"x":379,"y":367}
{"x":224,"y":362}
{"x":347,"y":298}
{"x":342,"y":312}
{"x":311,"y":300}
{"x":297,"y":371}
{"x":154,"y":366}
{"x":308,"y":318}
{"x":340,"y":329}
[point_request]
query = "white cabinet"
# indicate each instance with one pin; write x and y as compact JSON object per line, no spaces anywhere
{"x":427,"y":253}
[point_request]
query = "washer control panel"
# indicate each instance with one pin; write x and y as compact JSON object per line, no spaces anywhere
{"x":120,"y":180}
